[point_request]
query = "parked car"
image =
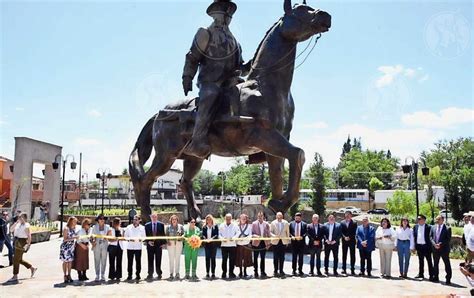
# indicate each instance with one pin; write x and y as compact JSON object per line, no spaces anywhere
{"x":443,"y":213}
{"x":352,"y":209}
{"x":378,"y":211}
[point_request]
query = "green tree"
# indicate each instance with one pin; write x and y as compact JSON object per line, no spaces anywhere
{"x":434,"y":178}
{"x":204,"y":182}
{"x":317,"y":173}
{"x":455,"y":159}
{"x":125,"y":171}
{"x":401,"y":203}
{"x":357,"y":167}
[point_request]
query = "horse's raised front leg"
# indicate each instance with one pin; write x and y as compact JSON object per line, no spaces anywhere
{"x":272,"y":142}
{"x":191,"y":167}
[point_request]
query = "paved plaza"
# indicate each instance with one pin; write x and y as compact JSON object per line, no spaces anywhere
{"x":48,"y":281}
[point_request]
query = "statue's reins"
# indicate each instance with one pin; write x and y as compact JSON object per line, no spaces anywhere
{"x":285,"y":56}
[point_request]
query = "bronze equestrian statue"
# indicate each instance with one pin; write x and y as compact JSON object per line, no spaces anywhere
{"x":262,"y":132}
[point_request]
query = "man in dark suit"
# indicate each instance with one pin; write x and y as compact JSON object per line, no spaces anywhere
{"x":332,"y":237}
{"x":349,"y":228}
{"x":315,"y":232}
{"x":440,"y":239}
{"x":5,"y":238}
{"x":298,"y":231}
{"x":154,"y":248}
{"x":366,"y":244}
{"x":421,"y":235}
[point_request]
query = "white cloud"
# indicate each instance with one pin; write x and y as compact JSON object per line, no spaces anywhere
{"x":446,"y":118}
{"x":423,"y":78}
{"x":86,"y":141}
{"x":94,"y":113}
{"x":316,"y":125}
{"x":391,"y":72}
{"x":19,"y":109}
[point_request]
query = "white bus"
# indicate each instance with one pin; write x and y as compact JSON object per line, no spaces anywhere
{"x":338,"y":194}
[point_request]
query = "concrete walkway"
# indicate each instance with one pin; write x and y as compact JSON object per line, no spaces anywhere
{"x":48,"y":281}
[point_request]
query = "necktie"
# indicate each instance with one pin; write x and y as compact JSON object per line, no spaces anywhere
{"x":438,"y":232}
{"x":154,"y":229}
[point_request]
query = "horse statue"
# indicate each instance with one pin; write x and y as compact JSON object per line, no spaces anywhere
{"x":262,"y":134}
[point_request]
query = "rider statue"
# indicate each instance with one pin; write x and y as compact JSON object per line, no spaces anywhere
{"x":218,"y":56}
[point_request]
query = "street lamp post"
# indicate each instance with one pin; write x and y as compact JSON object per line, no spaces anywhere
{"x":55,"y":167}
{"x":222,"y":174}
{"x":101,"y":175}
{"x":413,"y":168}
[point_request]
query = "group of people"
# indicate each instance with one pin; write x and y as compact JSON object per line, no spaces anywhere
{"x":243,"y":244}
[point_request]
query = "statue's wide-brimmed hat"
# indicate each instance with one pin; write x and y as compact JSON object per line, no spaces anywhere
{"x":225,"y":6}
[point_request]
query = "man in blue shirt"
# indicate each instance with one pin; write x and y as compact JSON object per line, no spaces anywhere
{"x":332,"y":237}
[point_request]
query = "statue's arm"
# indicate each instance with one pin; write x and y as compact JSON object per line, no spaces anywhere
{"x":196,"y":53}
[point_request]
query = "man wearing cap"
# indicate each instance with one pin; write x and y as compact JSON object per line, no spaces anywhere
{"x":218,"y":56}
{"x":298,"y":229}
{"x":421,"y":235}
{"x":440,"y":237}
{"x":470,"y":240}
{"x":466,"y":227}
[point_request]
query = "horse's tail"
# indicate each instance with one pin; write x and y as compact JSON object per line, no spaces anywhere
{"x":141,"y":152}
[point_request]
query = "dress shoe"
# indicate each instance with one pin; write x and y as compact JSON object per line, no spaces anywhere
{"x":223,"y":276}
{"x":129,"y":277}
{"x":311,"y":273}
{"x":420,"y":276}
{"x":353,"y":272}
{"x":344,"y":272}
{"x":255,"y":274}
{"x":276,"y":274}
{"x":335,"y":273}
{"x":448,"y":282}
{"x":369,"y":274}
{"x":319,"y":273}
{"x":208,"y":276}
{"x":326,"y":272}
{"x":213,"y":276}
{"x":362,"y":274}
{"x":149,"y":277}
{"x":264,"y":274}
{"x":294,"y":273}
{"x":232,"y":275}
{"x":301,"y":273}
{"x":282,"y":274}
{"x":137,"y":277}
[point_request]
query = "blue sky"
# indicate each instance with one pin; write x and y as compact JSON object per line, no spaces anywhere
{"x":86,"y":75}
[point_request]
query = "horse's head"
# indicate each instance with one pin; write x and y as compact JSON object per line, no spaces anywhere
{"x":301,"y":21}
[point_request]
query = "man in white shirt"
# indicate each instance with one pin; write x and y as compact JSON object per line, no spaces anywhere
{"x":279,"y":228}
{"x":260,"y":228}
{"x":421,"y":235}
{"x":228,"y":231}
{"x":134,"y":246}
{"x":470,"y":240}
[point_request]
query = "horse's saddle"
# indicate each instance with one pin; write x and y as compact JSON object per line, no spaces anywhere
{"x":226,"y":112}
